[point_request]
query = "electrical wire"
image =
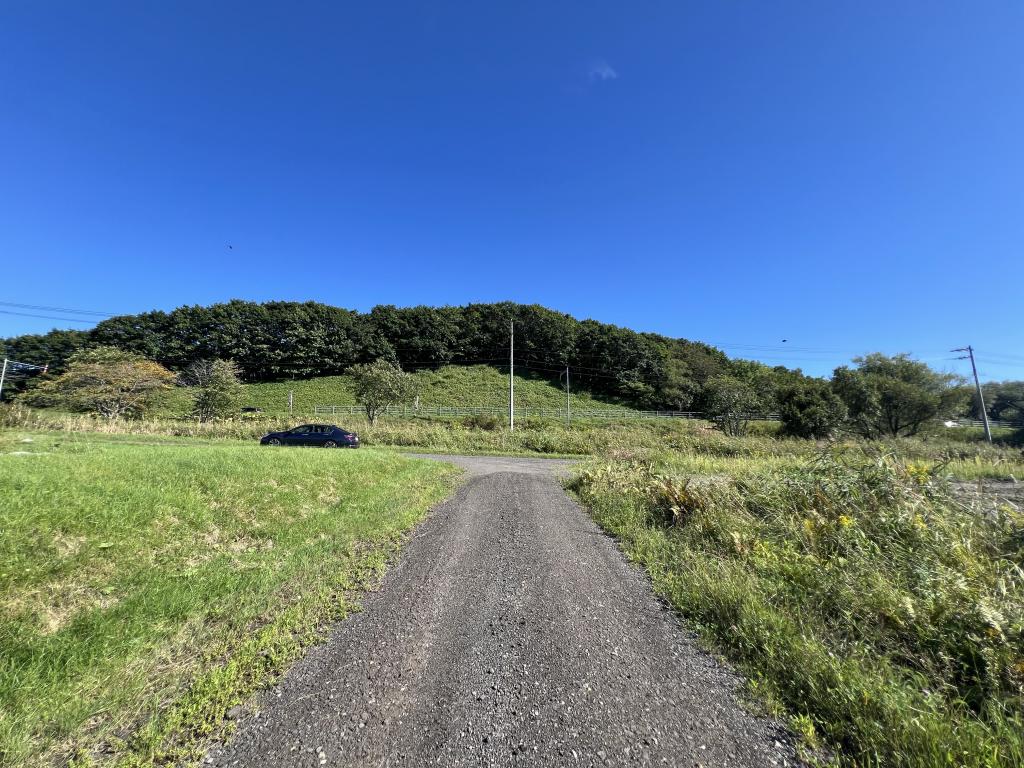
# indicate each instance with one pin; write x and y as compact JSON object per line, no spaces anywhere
{"x":46,"y":317}
{"x":63,"y":310}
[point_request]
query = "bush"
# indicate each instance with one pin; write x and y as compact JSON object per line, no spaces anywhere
{"x":480,"y":421}
{"x":810,"y":409}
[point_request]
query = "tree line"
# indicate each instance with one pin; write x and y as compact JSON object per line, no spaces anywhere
{"x":283,"y":340}
{"x":878,"y":396}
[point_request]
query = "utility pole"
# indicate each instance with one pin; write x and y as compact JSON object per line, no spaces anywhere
{"x":977,"y":386}
{"x":511,"y":373}
{"x":3,"y":375}
{"x":291,"y":400}
{"x":568,"y":418}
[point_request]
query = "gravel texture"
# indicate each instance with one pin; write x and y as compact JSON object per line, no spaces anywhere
{"x":510,"y":632}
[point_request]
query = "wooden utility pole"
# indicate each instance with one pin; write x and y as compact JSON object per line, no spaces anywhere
{"x":977,"y":387}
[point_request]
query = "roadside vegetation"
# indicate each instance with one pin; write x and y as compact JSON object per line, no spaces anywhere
{"x":861,"y":561}
{"x":862,"y":598}
{"x":144,"y":591}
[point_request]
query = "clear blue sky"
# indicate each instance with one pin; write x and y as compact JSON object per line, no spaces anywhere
{"x":848,"y":176}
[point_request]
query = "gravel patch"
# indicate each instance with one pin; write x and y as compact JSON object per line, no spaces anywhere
{"x":510,"y":632}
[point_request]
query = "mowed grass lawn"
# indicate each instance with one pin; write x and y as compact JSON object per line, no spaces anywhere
{"x":144,"y":590}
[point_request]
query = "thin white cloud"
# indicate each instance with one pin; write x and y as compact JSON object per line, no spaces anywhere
{"x":602,"y":70}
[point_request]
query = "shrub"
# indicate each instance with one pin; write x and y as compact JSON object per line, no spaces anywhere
{"x":480,"y":421}
{"x":810,"y":409}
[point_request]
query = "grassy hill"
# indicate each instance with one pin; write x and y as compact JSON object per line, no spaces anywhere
{"x":477,"y":385}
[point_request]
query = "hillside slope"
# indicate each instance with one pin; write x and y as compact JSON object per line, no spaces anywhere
{"x":477,"y":385}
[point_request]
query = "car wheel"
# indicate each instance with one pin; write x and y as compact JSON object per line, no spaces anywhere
{"x":330,"y":444}
{"x":273,"y":441}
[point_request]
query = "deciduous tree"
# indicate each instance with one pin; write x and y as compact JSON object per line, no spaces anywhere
{"x":733,"y":403}
{"x":380,"y":384}
{"x":104,"y":380}
{"x":216,"y":386}
{"x":895,"y":396}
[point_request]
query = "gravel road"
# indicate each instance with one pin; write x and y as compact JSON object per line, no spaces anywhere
{"x":510,"y":632}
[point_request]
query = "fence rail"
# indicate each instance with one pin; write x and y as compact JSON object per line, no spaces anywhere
{"x":409,"y":411}
{"x":525,"y":412}
{"x":992,"y":423}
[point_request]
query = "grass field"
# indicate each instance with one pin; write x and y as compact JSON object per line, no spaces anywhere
{"x":706,"y":450}
{"x":477,"y":385}
{"x":863,"y":600}
{"x":165,"y":555}
{"x":147,"y":589}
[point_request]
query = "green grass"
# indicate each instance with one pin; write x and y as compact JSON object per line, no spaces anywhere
{"x":147,"y":589}
{"x":707,"y":450}
{"x":884,"y":617}
{"x":477,"y":385}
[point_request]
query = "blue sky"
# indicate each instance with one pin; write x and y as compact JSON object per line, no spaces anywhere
{"x":848,"y":176}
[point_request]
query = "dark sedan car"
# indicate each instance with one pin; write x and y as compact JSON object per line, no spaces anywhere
{"x":318,"y":435}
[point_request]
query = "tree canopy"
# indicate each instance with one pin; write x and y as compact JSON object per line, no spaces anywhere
{"x":281,"y":340}
{"x":896,"y":396}
{"x":104,"y":380}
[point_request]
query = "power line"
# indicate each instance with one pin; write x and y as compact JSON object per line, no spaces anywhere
{"x":46,"y":317}
{"x":65,"y":310}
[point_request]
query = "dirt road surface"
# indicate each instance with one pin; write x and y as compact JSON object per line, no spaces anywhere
{"x":510,"y":632}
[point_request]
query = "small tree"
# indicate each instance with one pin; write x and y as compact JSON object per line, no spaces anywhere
{"x":810,"y":409}
{"x":732,"y":403}
{"x":380,"y":384}
{"x":104,"y":380}
{"x":895,"y":396}
{"x":217,"y":388}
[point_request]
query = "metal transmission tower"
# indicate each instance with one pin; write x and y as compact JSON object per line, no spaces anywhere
{"x":977,"y":387}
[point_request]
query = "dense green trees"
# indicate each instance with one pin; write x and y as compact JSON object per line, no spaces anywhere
{"x":1004,"y":401}
{"x":896,"y":396}
{"x":278,"y":340}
